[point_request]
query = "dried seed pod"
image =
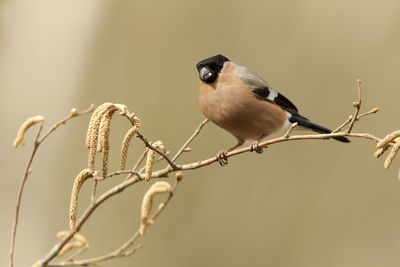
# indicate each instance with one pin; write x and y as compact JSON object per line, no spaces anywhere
{"x":79,"y":180}
{"x":93,"y":131}
{"x":392,"y":155}
{"x":388,"y":138}
{"x":380,"y":151}
{"x":80,"y":242}
{"x":19,"y":140}
{"x":147,"y":203}
{"x":150,"y":159}
{"x":127,"y":141}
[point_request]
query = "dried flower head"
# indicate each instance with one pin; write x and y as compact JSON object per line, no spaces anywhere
{"x":150,"y":159}
{"x":79,"y":242}
{"x":392,"y":155}
{"x":388,"y":139}
{"x":147,"y":203}
{"x":127,"y":141}
{"x":380,"y":151}
{"x":79,"y":180}
{"x":93,"y":131}
{"x":25,"y":126}
{"x":97,"y":138}
{"x":104,"y":137}
{"x":92,"y":121}
{"x":79,"y":237}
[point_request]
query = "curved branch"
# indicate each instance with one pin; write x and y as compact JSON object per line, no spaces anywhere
{"x":134,"y":176}
{"x":36,"y":143}
{"x":189,"y":166}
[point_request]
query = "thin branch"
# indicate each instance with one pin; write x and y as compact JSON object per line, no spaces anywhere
{"x":36,"y":144}
{"x":17,"y":206}
{"x":72,"y":114}
{"x":357,"y":105}
{"x":341,"y":126}
{"x":292,"y":126}
{"x":140,"y":160}
{"x":141,"y":137}
{"x":150,"y":146}
{"x":190,"y":166}
{"x":111,"y":192}
{"x":372,"y":111}
{"x":131,"y":173}
{"x":350,"y":119}
{"x":95,"y":260}
{"x":134,"y":176}
{"x":199,"y":164}
{"x":193,"y":136}
{"x":94,"y":188}
{"x":121,"y":251}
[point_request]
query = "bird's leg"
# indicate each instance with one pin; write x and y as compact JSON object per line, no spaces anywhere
{"x":221,"y":156}
{"x":255,"y":145}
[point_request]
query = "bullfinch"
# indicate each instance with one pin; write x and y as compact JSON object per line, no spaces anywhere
{"x":241,"y":102}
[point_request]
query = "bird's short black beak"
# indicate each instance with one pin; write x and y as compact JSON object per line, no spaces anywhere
{"x":205,"y":73}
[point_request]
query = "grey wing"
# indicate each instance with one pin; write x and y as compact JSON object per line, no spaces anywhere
{"x":261,"y":89}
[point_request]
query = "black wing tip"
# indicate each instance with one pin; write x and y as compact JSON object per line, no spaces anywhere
{"x":342,"y":139}
{"x":315,"y":127}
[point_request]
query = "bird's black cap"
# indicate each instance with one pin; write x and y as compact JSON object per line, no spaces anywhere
{"x":217,"y":60}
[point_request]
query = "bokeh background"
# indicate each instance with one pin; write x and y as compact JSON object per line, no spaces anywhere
{"x":304,"y":204}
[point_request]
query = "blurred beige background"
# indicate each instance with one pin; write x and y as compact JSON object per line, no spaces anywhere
{"x":301,"y":204}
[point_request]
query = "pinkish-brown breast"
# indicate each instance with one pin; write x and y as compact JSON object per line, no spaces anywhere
{"x":231,"y":105}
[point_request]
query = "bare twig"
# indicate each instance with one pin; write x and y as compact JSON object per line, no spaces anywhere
{"x":350,"y":119}
{"x":122,"y":251}
{"x":357,"y":105}
{"x":193,"y":136}
{"x":21,"y":188}
{"x":147,"y":143}
{"x":72,"y":114}
{"x":190,"y":166}
{"x":36,"y":143}
{"x":95,"y":260}
{"x":133,"y":176}
{"x":86,"y":214}
{"x":140,"y":160}
{"x":341,"y":126}
{"x":292,"y":126}
{"x":144,"y":139}
{"x":372,"y":111}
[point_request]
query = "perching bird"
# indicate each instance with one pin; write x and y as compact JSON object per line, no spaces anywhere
{"x":242,"y":103}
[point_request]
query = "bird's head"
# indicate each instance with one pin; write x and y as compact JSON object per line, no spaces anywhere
{"x":209,"y":68}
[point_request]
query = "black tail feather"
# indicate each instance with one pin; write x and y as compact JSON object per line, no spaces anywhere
{"x":315,"y":127}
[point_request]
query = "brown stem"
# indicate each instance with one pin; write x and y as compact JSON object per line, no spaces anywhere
{"x":190,"y":166}
{"x":113,"y":191}
{"x":36,"y":144}
{"x":139,"y":176}
{"x":357,"y":105}
{"x":17,"y":206}
{"x":170,"y":162}
{"x":196,"y":132}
